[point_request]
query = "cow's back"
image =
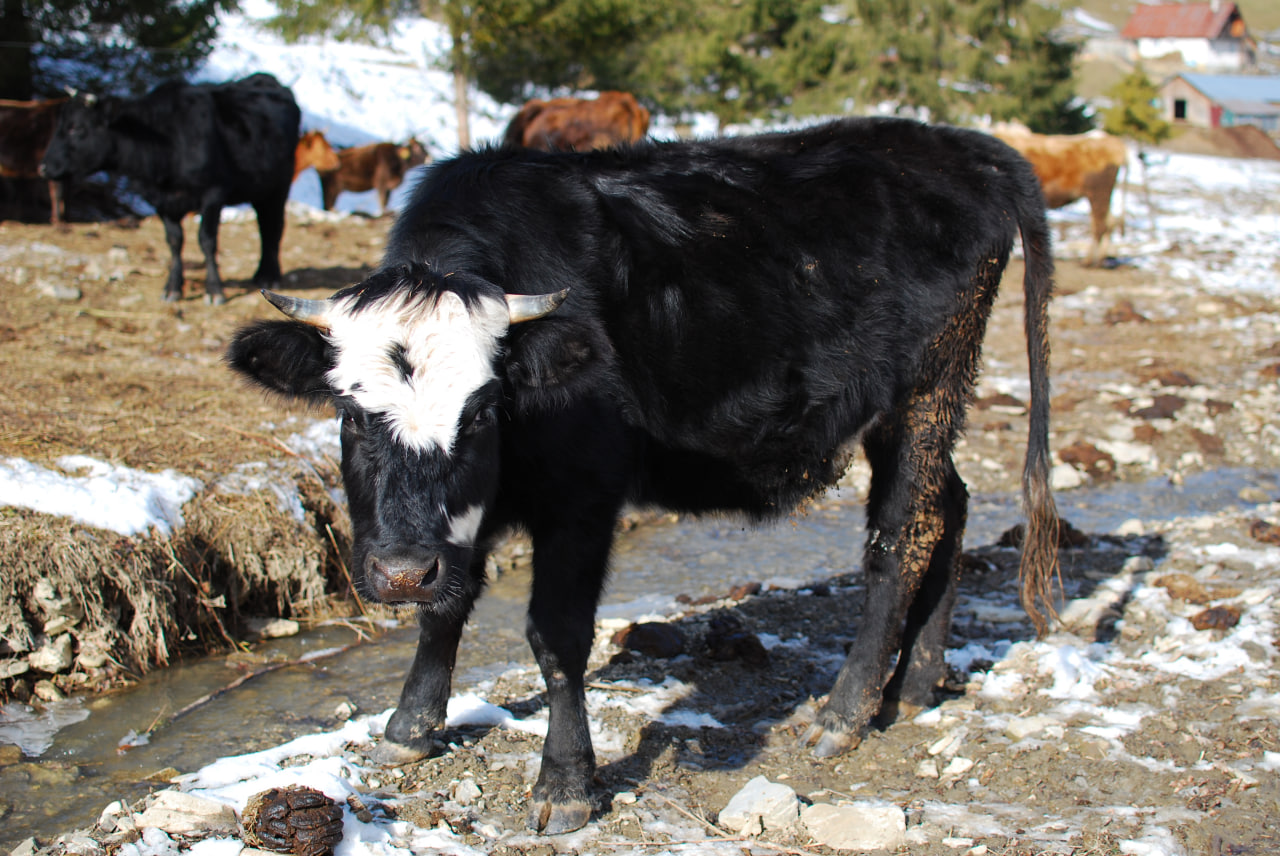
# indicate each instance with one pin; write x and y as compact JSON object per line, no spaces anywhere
{"x":735,"y":278}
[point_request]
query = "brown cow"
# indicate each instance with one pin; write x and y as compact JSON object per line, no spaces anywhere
{"x":314,"y":151}
{"x":377,"y":166}
{"x":1078,"y":166}
{"x":25,"y":130}
{"x":578,"y":124}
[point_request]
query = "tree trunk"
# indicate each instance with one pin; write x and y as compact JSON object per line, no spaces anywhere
{"x":15,"y":51}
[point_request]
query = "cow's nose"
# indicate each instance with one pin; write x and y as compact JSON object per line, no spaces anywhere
{"x":403,"y":579}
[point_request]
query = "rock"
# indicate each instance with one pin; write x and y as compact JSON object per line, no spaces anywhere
{"x":863,"y":825}
{"x":1216,"y":618}
{"x":729,"y":639}
{"x":26,"y":848}
{"x":1162,"y":407}
{"x":13,"y":668}
{"x":652,"y":638}
{"x":760,"y":805}
{"x":1267,"y":533}
{"x":271,"y":628}
{"x":1065,"y":477}
{"x":1123,"y":313}
{"x":180,"y":813}
{"x":79,"y":844}
{"x":48,"y":691}
{"x":466,"y":792}
{"x":1089,"y":458}
{"x":56,"y":290}
{"x":52,"y":657}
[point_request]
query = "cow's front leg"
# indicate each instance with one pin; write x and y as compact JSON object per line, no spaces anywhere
{"x":173,"y":237}
{"x":569,"y":572}
{"x":906,"y":521}
{"x":210,"y":217}
{"x":424,"y":699}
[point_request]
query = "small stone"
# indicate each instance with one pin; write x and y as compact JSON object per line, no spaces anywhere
{"x":466,"y":792}
{"x":54,"y":656}
{"x":857,"y":826}
{"x":760,"y":805}
{"x":1216,"y":618}
{"x":272,"y":628}
{"x":652,"y":638}
{"x":179,"y":813}
{"x":48,"y":691}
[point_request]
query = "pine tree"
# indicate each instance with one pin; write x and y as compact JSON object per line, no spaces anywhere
{"x":1133,"y":112}
{"x":118,"y":46}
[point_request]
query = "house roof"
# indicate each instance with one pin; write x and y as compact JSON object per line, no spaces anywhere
{"x":1237,"y":88}
{"x":1180,"y":21}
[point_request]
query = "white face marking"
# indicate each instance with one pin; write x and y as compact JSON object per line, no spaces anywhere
{"x":449,"y":350}
{"x":464,"y":528}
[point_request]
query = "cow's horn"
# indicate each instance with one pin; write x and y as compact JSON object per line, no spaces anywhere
{"x":526,"y":307}
{"x":313,"y":312}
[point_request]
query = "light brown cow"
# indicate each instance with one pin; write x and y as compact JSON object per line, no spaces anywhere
{"x":376,"y":166}
{"x":25,"y":130}
{"x":578,"y":124}
{"x":314,"y":151}
{"x":1077,"y":166}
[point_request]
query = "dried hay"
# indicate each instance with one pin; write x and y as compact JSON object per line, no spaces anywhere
{"x":131,"y":604}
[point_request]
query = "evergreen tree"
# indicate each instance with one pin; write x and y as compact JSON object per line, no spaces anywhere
{"x":117,"y":46}
{"x":1133,"y":112}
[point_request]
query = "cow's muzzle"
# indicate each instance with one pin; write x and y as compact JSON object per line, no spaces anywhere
{"x":404,"y":579}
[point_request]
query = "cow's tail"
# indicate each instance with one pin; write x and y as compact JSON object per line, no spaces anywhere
{"x":1038,"y":571}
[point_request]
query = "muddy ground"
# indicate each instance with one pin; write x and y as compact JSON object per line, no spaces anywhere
{"x":1152,"y":377}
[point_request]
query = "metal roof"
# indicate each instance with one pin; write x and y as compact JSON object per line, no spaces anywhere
{"x":1180,"y":21}
{"x":1222,"y":88}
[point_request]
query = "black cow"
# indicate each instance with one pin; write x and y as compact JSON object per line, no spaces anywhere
{"x":739,"y":313}
{"x":191,"y":147}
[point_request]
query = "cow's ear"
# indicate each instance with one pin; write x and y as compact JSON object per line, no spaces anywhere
{"x":552,"y":361}
{"x":286,"y":357}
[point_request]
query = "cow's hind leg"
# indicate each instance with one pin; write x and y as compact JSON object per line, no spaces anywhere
{"x":271,"y":216}
{"x":915,"y":522}
{"x":210,"y":218}
{"x":922,"y":664}
{"x":908,"y":509}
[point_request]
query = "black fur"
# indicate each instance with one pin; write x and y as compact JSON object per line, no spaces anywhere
{"x":191,"y":147}
{"x":741,"y":313}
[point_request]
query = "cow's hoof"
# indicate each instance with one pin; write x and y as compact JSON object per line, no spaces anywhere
{"x":172,"y":296}
{"x":554,"y":818}
{"x":828,"y":742}
{"x":390,"y":754}
{"x":215,"y":299}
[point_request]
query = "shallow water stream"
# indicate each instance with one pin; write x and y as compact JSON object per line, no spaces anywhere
{"x":65,"y":779}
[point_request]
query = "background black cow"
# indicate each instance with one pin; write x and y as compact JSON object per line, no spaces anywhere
{"x":739,"y":312}
{"x":191,"y":147}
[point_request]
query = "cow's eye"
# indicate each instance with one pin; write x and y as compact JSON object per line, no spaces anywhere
{"x":483,"y":418}
{"x":352,"y":418}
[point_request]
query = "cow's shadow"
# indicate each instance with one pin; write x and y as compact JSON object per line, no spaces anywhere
{"x":765,"y":705}
{"x":327,"y":280}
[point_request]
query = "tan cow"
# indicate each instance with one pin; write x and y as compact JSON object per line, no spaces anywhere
{"x":377,"y":166}
{"x":578,"y":124}
{"x":1077,"y":166}
{"x":314,"y":151}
